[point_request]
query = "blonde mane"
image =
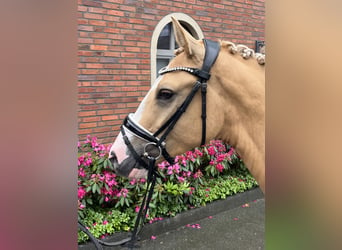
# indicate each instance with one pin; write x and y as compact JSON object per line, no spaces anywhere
{"x":240,"y":49}
{"x":244,"y":51}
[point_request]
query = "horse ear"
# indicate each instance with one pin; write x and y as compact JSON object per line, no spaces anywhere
{"x":184,"y":39}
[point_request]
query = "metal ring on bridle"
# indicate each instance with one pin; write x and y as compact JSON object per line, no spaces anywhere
{"x":153,"y":144}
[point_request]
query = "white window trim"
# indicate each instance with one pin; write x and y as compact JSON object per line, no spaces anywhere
{"x":167,"y":19}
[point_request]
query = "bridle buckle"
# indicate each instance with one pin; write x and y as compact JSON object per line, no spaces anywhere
{"x":146,"y":151}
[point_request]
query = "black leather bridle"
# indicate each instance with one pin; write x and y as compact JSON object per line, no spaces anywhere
{"x":203,"y":75}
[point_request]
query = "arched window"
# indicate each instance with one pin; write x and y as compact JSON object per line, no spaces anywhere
{"x":163,"y":41}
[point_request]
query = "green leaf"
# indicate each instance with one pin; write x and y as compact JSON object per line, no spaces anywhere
{"x":93,"y":188}
{"x":98,"y":189}
{"x":106,"y":163}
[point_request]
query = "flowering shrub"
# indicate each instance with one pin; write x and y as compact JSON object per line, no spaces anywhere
{"x":197,"y":177}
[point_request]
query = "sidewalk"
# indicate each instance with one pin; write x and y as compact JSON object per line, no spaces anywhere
{"x":234,"y":223}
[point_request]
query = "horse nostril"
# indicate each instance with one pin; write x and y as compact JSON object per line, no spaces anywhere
{"x":113,"y":158}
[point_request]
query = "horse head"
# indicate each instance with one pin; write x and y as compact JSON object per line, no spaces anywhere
{"x":170,"y":120}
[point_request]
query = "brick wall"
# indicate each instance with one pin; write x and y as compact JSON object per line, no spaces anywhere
{"x":114,"y":50}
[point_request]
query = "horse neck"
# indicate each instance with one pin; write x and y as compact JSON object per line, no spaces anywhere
{"x":242,"y":87}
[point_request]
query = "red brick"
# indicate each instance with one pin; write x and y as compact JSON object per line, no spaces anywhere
{"x":106,"y":112}
{"x":97,"y":10}
{"x":98,"y":47}
{"x":85,"y":40}
{"x":85,"y":28}
{"x":85,"y":132}
{"x":97,"y":23}
{"x":91,"y":119}
{"x":116,"y":13}
{"x":87,"y":125}
{"x":92,"y":16}
{"x":104,"y":129}
{"x":86,"y":113}
{"x":91,"y":3}
{"x":82,"y":8}
{"x":102,"y":41}
{"x":109,"y":117}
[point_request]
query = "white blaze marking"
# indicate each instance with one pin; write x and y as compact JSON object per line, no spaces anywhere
{"x":140,"y":110}
{"x":119,"y":147}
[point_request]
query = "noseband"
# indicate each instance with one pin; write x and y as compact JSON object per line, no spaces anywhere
{"x":203,"y":75}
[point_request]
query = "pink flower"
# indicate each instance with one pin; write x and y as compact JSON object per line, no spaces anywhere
{"x":198,"y":152}
{"x":210,"y":217}
{"x":112,"y":183}
{"x":219,"y":167}
{"x":236,"y":219}
{"x":198,"y":226}
{"x":187,"y":173}
{"x":80,"y":205}
{"x":198,"y":174}
{"x":220,"y":157}
{"x":174,"y":169}
{"x":245,"y":205}
{"x":162,"y":165}
{"x":81,"y":193}
{"x":190,"y":156}
{"x":180,"y":179}
{"x":137,"y":209}
{"x":169,"y":170}
{"x":211,"y":150}
{"x":153,"y":237}
{"x":123,"y":192}
{"x":80,"y":160}
{"x":230,"y":152}
{"x":81,"y":172}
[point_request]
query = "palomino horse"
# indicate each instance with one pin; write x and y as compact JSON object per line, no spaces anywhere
{"x":233,"y":107}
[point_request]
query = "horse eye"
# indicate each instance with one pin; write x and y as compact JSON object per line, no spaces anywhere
{"x":165,"y":94}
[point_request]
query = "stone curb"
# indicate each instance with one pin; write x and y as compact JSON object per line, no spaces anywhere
{"x":187,"y":217}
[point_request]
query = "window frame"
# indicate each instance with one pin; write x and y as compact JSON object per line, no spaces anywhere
{"x":166,"y":54}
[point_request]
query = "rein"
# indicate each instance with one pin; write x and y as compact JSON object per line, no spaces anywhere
{"x":211,"y":52}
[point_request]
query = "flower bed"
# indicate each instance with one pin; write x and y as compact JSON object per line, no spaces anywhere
{"x":108,"y":203}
